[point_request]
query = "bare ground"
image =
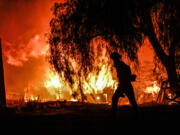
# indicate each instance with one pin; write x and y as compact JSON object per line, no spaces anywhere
{"x":78,"y":118}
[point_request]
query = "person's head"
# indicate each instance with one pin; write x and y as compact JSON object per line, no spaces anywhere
{"x":115,"y":56}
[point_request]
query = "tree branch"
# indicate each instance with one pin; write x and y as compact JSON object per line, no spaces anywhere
{"x":149,"y":31}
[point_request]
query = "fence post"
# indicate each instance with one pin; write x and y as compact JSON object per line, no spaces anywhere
{"x":2,"y":85}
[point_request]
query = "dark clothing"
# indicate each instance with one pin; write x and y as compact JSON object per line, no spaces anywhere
{"x":125,"y":86}
{"x":120,"y":91}
{"x":123,"y":72}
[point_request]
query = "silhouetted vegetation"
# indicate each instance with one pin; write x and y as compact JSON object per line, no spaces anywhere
{"x":124,"y":24}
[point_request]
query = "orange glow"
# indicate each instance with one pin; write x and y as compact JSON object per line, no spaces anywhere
{"x":54,"y":81}
{"x":25,"y":50}
{"x":97,"y":82}
{"x":54,"y":84}
{"x":30,"y":98}
{"x":153,"y":89}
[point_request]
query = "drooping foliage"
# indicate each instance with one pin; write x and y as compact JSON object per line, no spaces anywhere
{"x":77,"y":22}
{"x":121,"y":23}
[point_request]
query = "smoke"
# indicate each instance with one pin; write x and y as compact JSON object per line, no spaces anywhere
{"x":23,"y":26}
{"x":17,"y":55}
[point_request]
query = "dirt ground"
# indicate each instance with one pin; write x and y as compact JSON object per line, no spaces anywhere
{"x":91,"y":119}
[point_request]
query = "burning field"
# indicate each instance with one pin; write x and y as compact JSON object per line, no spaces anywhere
{"x":30,"y":77}
{"x":45,"y":84}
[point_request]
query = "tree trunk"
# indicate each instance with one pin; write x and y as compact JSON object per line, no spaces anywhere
{"x":166,"y":60}
{"x":83,"y":97}
{"x":172,"y":75}
{"x":2,"y":85}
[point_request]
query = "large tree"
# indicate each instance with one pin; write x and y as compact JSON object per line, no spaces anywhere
{"x":121,"y":23}
{"x":163,"y":31}
{"x":167,"y":28}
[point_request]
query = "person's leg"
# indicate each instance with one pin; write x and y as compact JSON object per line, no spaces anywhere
{"x":132,"y":100}
{"x":115,"y":98}
{"x":131,"y":97}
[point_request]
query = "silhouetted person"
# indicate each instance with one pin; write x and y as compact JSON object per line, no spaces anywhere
{"x":124,"y":86}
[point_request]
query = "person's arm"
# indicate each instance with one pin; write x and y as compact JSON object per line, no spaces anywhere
{"x":133,"y":77}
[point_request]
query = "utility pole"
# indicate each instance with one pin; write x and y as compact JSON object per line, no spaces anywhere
{"x":2,"y":85}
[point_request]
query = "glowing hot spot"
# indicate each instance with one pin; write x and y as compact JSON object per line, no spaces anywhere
{"x":53,"y":81}
{"x":153,"y":89}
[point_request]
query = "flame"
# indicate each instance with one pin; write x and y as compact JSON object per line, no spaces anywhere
{"x":153,"y":89}
{"x":29,"y":96}
{"x":97,"y":82}
{"x":36,"y":46}
{"x":53,"y":81}
{"x":94,"y":84}
{"x":54,"y":84}
{"x":98,"y":98}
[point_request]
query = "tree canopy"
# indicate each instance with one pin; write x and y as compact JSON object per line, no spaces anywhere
{"x":77,"y":22}
{"x":123,"y":24}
